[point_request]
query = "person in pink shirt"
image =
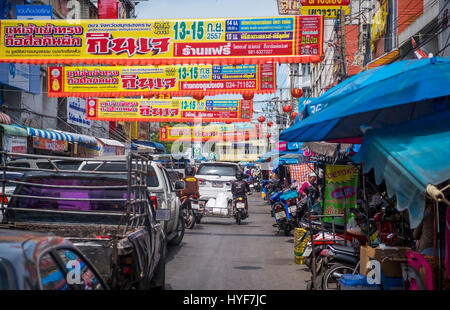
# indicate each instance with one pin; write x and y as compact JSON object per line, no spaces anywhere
{"x":311,"y":179}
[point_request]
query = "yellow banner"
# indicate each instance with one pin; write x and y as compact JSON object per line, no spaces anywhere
{"x":331,"y":11}
{"x":176,"y":80}
{"x":170,"y":110}
{"x":220,"y":132}
{"x":172,"y":41}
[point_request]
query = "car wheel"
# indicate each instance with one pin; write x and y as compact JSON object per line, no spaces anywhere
{"x":180,"y":231}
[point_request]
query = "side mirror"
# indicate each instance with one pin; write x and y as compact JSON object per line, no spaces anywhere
{"x":179,"y":185}
{"x":162,"y":214}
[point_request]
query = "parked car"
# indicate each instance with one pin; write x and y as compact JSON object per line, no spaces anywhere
{"x":108,"y":216}
{"x":162,"y":189}
{"x":38,"y":261}
{"x":41,"y":163}
{"x":9,"y":188}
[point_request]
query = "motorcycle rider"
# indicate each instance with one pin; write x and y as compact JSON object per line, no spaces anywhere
{"x":240,"y":187}
{"x":191,"y":183}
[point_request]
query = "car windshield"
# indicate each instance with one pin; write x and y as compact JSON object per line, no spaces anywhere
{"x":81,"y":196}
{"x":222,"y":170}
{"x":152,"y":179}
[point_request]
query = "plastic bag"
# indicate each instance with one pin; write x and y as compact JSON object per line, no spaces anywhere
{"x":211,"y":203}
{"x":221,"y":201}
{"x":353,"y":227}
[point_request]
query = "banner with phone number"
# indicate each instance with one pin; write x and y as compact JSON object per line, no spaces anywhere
{"x":230,"y":41}
{"x":211,"y":132}
{"x":175,"y":80}
{"x":168,"y":110}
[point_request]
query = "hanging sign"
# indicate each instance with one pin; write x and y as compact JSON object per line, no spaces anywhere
{"x":50,"y":145}
{"x":170,"y":110}
{"x":76,"y":112}
{"x":121,"y":81}
{"x":341,"y":183}
{"x":210,"y":133}
{"x":331,"y":11}
{"x":288,"y":7}
{"x":231,"y":41}
{"x":324,"y":2}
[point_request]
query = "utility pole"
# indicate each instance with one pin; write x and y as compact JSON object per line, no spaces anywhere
{"x":343,"y":67}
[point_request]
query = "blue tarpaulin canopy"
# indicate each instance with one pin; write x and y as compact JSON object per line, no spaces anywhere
{"x":152,"y":144}
{"x":408,"y":157}
{"x":378,"y":97}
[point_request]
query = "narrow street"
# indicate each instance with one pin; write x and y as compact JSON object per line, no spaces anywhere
{"x":220,"y":255}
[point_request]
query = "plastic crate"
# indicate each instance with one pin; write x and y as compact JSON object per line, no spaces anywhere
{"x":356,"y":282}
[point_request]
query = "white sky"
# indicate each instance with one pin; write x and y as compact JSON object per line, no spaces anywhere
{"x":167,"y":9}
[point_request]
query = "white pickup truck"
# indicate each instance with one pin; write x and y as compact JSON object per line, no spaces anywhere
{"x":160,"y":189}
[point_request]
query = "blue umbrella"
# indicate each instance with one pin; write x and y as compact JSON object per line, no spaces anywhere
{"x":379,"y":97}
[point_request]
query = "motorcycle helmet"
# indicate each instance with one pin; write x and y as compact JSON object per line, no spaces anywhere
{"x":240,"y":175}
{"x":189,"y":171}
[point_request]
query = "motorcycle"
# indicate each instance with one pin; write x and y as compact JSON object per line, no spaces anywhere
{"x":239,"y":208}
{"x":190,"y":207}
{"x":284,"y":210}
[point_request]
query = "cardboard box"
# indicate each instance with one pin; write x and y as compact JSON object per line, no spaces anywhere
{"x":390,"y":260}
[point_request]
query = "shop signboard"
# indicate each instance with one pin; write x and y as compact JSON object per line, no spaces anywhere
{"x":324,"y":2}
{"x":230,"y":41}
{"x":76,"y":112}
{"x":281,"y":146}
{"x":14,"y":144}
{"x":169,"y":110}
{"x":288,"y":7}
{"x":34,"y":12}
{"x":50,"y":145}
{"x":330,"y":11}
{"x":109,"y":150}
{"x":208,"y":133}
{"x":175,"y":80}
{"x":341,"y":188}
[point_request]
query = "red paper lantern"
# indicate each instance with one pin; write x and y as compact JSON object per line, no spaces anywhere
{"x":261,"y":119}
{"x":297,"y":93}
{"x":228,"y":122}
{"x":270,"y":124}
{"x":268,"y":136}
{"x":287,"y":108}
{"x":198,"y":97}
{"x":294,"y":115}
{"x":248,"y":96}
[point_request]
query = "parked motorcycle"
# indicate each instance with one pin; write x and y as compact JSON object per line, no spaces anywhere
{"x":284,"y":210}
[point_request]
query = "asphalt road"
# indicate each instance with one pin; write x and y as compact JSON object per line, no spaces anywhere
{"x":218,"y":254}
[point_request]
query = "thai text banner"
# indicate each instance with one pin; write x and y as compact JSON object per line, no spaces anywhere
{"x":176,"y":80}
{"x":220,"y":132}
{"x":170,"y":110}
{"x":172,"y":41}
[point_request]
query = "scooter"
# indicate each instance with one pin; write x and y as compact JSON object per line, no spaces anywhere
{"x":190,"y":207}
{"x":284,"y":210}
{"x":239,"y":208}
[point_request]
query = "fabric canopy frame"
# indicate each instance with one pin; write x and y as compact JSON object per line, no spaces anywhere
{"x":379,"y":97}
{"x":408,"y":157}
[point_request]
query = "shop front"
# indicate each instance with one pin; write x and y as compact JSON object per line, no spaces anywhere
{"x":109,"y":147}
{"x":13,"y":139}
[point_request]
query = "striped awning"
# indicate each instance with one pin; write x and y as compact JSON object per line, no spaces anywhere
{"x":5,"y":119}
{"x":60,"y":135}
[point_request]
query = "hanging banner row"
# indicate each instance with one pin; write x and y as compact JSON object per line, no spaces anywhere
{"x":169,"y":110}
{"x":221,"y":132}
{"x":122,"y":81}
{"x":163,"y":42}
